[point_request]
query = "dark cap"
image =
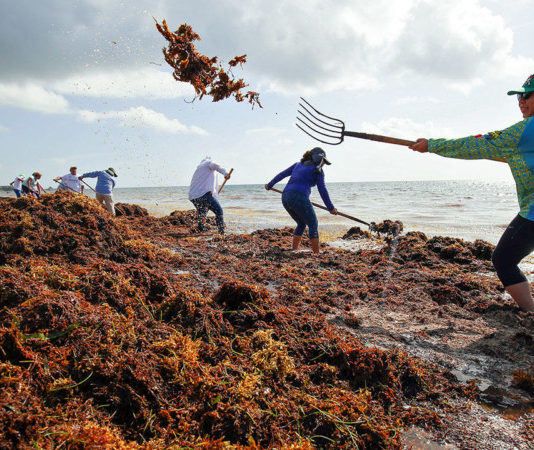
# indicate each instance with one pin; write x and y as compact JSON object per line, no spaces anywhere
{"x":112,"y":172}
{"x":319,"y":156}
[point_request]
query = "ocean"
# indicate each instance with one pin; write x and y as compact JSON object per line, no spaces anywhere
{"x":465,"y":209}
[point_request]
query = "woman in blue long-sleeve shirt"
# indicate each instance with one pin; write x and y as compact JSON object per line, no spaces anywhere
{"x":296,"y":196}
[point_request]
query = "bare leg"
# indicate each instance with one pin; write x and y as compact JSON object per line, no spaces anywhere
{"x":315,"y":245}
{"x":521,"y":294}
{"x":296,"y":242}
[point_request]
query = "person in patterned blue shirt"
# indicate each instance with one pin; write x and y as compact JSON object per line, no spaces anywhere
{"x":515,"y":146}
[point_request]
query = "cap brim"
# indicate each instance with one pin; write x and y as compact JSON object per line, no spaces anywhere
{"x":520,"y":91}
{"x":326,"y":161}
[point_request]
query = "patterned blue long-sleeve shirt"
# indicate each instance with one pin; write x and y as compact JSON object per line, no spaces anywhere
{"x":514,"y":145}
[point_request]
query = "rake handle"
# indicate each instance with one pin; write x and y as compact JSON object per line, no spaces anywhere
{"x":88,"y":185}
{"x":326,"y":209}
{"x":225,"y":180}
{"x":68,"y":187}
{"x":379,"y":138}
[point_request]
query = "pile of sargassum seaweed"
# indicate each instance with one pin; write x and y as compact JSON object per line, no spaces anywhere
{"x":129,"y":331}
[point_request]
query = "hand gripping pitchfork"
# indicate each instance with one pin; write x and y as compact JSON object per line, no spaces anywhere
{"x":330,"y":130}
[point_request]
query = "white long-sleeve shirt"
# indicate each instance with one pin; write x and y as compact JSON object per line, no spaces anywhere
{"x":205,"y":179}
{"x":72,"y":182}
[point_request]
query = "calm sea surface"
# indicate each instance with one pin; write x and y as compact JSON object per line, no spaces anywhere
{"x":465,"y":209}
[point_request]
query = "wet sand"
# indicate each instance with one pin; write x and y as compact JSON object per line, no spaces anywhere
{"x":138,"y":331}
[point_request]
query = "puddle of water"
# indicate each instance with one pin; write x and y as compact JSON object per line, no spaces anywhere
{"x":180,"y":272}
{"x":509,"y":405}
{"x":418,"y":439}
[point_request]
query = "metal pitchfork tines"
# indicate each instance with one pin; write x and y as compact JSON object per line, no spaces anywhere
{"x":330,"y":130}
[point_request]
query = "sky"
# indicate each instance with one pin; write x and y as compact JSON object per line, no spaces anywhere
{"x":84,"y":83}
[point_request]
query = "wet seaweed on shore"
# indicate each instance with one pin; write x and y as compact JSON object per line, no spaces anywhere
{"x":118,"y":332}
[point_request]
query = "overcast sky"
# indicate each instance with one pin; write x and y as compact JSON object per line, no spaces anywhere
{"x":84,"y":82}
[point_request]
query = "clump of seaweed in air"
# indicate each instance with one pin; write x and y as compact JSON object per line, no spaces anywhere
{"x":205,"y":74}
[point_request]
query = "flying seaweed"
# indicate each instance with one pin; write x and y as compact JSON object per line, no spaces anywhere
{"x":205,"y":74}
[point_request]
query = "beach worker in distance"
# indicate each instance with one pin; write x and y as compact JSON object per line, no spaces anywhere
{"x":296,"y":196}
{"x":104,"y":186}
{"x":17,"y":185}
{"x":70,"y":182}
{"x":31,"y":185}
{"x":515,"y":146}
{"x":203,"y":192}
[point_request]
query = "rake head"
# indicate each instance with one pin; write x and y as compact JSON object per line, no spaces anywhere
{"x":319,"y":126}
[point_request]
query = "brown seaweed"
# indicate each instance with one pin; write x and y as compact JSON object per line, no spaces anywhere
{"x":133,"y":331}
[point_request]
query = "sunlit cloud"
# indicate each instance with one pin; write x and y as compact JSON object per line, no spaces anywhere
{"x":406,"y":128}
{"x":32,"y":97}
{"x":142,"y":117}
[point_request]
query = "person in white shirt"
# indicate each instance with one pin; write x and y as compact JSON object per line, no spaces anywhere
{"x":17,"y":185}
{"x":31,"y":186}
{"x":203,"y":192}
{"x":70,"y":182}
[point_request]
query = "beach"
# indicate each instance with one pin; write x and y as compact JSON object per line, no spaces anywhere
{"x":138,"y":331}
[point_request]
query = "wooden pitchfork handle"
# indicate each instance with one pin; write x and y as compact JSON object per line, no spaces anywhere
{"x":379,"y":138}
{"x":225,"y":180}
{"x":390,"y":140}
{"x":88,"y":185}
{"x":64,"y":185}
{"x":326,"y":209}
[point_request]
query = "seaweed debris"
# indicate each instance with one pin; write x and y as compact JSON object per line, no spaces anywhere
{"x":202,"y":72}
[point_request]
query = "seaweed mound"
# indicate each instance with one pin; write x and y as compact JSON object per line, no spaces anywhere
{"x":116,"y":332}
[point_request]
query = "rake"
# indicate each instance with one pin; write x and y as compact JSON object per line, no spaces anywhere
{"x":330,"y":130}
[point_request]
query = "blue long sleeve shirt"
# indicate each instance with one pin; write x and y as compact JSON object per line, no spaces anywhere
{"x":104,"y":183}
{"x":303,"y":178}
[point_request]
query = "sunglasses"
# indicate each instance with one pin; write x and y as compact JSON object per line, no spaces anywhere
{"x":524,"y":95}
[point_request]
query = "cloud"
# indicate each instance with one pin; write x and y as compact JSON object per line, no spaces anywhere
{"x":33,"y":97}
{"x":406,"y":128}
{"x":3,"y":129}
{"x":142,"y":117}
{"x":135,"y":83}
{"x":458,"y":41}
{"x":99,"y":48}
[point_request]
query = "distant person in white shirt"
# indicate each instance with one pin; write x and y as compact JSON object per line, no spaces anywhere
{"x":70,"y":182}
{"x":203,"y":192}
{"x":17,"y":185}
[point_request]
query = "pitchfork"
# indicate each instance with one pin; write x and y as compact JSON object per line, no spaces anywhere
{"x":330,"y":130}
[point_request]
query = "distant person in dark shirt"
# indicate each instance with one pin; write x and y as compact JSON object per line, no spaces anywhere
{"x":296,"y":196}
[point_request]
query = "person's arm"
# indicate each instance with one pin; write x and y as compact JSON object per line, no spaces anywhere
{"x":89,"y":175}
{"x":280,"y":176}
{"x":324,"y":193}
{"x":498,"y":145}
{"x":221,"y":170}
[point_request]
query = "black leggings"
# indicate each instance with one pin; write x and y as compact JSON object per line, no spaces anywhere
{"x":516,"y":242}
